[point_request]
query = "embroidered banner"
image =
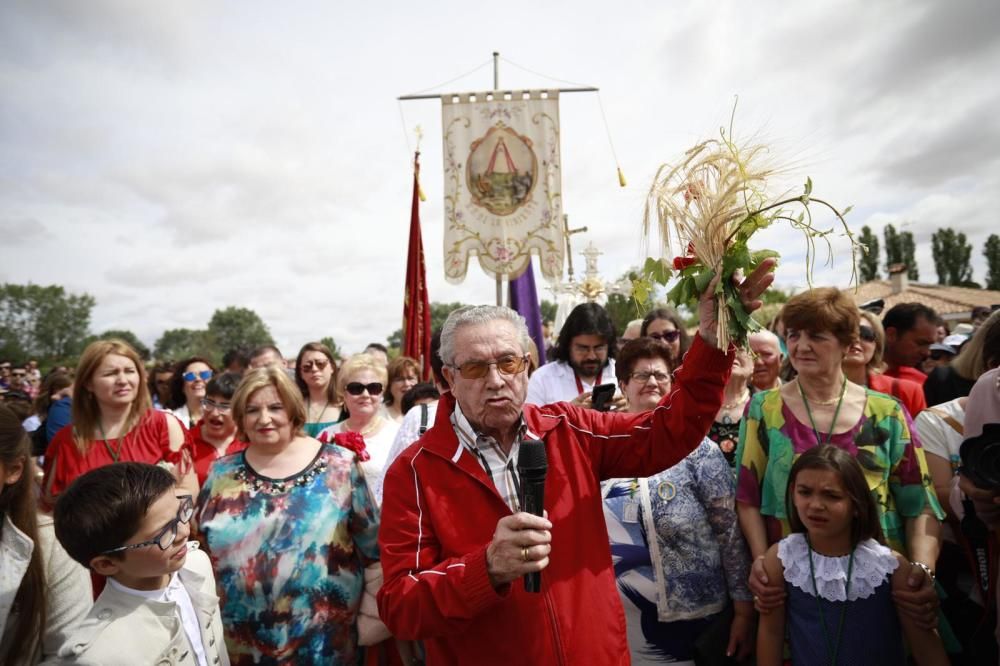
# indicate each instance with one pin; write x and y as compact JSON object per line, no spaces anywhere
{"x":503,"y":183}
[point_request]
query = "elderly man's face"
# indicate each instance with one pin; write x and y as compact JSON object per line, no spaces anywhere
{"x":766,"y":363}
{"x":491,"y":403}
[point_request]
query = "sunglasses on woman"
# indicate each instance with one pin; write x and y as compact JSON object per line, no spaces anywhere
{"x":204,"y":376}
{"x":666,"y":336}
{"x":867,"y":334}
{"x":357,"y":388}
{"x":318,"y":364}
{"x":165,"y":537}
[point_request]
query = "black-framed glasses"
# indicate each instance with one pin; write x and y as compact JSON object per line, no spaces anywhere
{"x":867,"y":333}
{"x":357,"y":388}
{"x":204,"y":376}
{"x":165,"y":537}
{"x":643,"y":377}
{"x":211,"y":405}
{"x":506,"y":365}
{"x":666,"y":336}
{"x":319,"y":364}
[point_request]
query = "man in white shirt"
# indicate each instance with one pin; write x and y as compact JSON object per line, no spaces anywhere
{"x":583,"y":358}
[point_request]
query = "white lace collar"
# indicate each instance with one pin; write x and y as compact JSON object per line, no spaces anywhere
{"x":873,"y":564}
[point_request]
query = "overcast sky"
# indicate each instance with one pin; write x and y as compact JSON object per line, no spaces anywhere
{"x":171,"y":158}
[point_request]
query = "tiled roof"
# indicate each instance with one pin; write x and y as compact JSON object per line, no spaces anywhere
{"x":944,"y":300}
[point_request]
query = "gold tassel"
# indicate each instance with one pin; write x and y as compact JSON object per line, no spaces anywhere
{"x":621,"y":177}
{"x":420,"y":192}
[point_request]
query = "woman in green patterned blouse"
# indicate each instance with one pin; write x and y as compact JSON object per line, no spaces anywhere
{"x":822,"y":407}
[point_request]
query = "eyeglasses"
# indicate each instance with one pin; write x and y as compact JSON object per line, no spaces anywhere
{"x":168,"y":534}
{"x":506,"y":365}
{"x":357,"y":388}
{"x":318,"y":364}
{"x":204,"y":376}
{"x":643,"y":377}
{"x":211,"y":405}
{"x":867,"y":334}
{"x":596,"y":350}
{"x":666,"y":336}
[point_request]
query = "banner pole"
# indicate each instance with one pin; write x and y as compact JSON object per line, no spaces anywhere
{"x":496,"y":86}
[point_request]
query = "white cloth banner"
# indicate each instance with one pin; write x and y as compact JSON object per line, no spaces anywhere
{"x":503,"y":183}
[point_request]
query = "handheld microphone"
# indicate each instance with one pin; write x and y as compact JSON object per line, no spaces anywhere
{"x":532,"y":465}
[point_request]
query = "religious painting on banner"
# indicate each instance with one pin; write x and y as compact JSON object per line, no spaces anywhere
{"x":503,"y":183}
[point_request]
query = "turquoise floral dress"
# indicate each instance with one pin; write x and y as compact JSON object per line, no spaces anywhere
{"x":772,"y":438}
{"x":289,"y":557}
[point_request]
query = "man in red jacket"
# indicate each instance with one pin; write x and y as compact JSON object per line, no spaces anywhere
{"x":454,"y":544}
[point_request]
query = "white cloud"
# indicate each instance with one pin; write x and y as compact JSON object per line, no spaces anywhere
{"x":176,"y":158}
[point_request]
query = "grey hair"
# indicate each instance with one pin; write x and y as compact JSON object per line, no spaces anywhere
{"x":770,"y":336}
{"x":472,"y":315}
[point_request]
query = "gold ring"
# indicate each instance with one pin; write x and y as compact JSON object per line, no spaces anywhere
{"x":524,"y":553}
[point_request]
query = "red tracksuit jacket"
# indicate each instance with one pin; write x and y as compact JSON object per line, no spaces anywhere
{"x":440,"y":510}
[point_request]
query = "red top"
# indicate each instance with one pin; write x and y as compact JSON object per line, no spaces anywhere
{"x":908,"y":373}
{"x":205,"y":454}
{"x":910,"y":394}
{"x":148,"y":442}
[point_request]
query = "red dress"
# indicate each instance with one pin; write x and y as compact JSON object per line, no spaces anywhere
{"x":205,"y":454}
{"x":148,"y":442}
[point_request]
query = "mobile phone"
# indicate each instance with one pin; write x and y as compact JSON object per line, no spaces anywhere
{"x":601,"y":395}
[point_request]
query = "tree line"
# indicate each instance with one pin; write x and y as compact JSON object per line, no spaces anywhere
{"x":52,"y":326}
{"x":951,"y":251}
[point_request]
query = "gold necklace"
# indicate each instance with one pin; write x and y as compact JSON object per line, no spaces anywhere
{"x":742,"y":400}
{"x":368,"y":429}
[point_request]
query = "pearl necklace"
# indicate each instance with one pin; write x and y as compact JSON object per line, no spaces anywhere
{"x":368,"y":429}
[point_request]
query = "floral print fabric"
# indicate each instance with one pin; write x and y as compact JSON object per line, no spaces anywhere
{"x":771,"y":438}
{"x":289,"y":556}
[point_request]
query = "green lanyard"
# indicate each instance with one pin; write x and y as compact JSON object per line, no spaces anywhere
{"x":843,"y":611}
{"x":836,"y":413}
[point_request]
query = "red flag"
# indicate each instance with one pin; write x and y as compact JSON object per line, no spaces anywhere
{"x":416,"y":306}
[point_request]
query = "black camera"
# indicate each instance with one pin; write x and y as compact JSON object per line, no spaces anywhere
{"x":981,"y":458}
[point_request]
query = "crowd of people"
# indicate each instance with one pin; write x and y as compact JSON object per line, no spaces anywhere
{"x":820,"y":496}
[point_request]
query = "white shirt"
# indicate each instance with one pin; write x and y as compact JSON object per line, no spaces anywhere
{"x":556,"y":382}
{"x":177,"y":593}
{"x":378,"y":446}
{"x":936,"y":436}
{"x":409,"y":432}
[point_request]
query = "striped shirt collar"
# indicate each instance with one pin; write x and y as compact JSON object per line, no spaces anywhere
{"x":501,"y":468}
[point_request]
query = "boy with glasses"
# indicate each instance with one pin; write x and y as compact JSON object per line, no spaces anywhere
{"x":126,"y":522}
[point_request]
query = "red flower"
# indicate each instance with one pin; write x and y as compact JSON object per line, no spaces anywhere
{"x":680,"y":263}
{"x":354,"y":442}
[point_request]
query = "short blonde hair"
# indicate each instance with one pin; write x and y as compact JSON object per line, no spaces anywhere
{"x":357,"y":363}
{"x":288,"y":393}
{"x":875,"y":365}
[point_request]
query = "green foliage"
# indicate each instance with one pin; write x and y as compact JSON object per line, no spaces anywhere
{"x":951,"y":257}
{"x":235,"y":327}
{"x":178,"y":343}
{"x":549,"y":310}
{"x":332,"y":346}
{"x":45,"y":323}
{"x":992,"y":253}
{"x":900,"y":249}
{"x":127,"y":336}
{"x":868,"y":263}
{"x":439,"y":312}
{"x":909,"y":249}
{"x":893,"y":249}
